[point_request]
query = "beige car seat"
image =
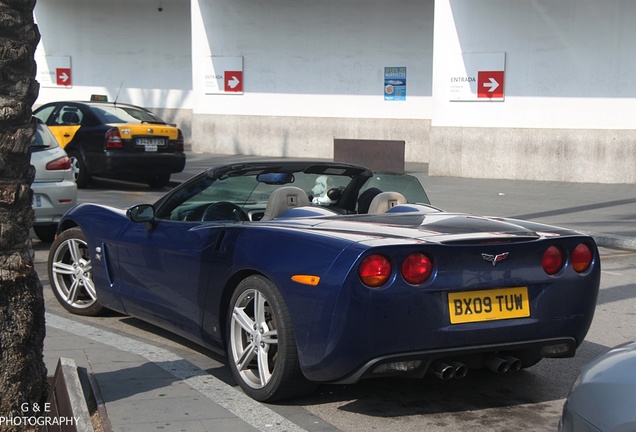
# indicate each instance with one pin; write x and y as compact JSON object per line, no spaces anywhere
{"x":385,"y":200}
{"x":283,"y":199}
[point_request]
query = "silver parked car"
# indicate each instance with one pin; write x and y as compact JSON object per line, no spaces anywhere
{"x":54,"y":188}
{"x":603,"y":397}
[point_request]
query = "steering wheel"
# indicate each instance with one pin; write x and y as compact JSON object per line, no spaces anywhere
{"x":224,"y":211}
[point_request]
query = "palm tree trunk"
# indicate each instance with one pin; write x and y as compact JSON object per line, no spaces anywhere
{"x":23,"y":387}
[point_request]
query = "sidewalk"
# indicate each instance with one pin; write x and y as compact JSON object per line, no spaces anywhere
{"x":149,"y":388}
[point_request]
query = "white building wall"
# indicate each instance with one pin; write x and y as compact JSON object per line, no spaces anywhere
{"x":569,"y":91}
{"x":313,"y":71}
{"x":567,"y":62}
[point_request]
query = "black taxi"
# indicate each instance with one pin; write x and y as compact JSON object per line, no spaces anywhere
{"x":109,"y":139}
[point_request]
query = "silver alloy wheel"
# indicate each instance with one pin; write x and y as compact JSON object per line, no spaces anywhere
{"x":75,"y":167}
{"x":254,"y":338}
{"x":71,"y":270}
{"x":80,"y":171}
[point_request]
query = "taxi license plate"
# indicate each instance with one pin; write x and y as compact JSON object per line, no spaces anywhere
{"x":150,"y":144}
{"x":488,"y":305}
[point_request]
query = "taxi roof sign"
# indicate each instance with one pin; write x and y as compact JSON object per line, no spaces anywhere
{"x":99,"y":98}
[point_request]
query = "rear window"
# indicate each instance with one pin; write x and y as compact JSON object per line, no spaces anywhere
{"x":43,"y":139}
{"x":125,"y":114}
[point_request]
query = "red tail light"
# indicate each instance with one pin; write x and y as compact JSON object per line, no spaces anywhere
{"x":113,"y":140}
{"x":417,"y":268}
{"x":581,"y":258}
{"x":375,"y":270}
{"x":180,"y":145}
{"x":553,"y":259}
{"x":59,"y":164}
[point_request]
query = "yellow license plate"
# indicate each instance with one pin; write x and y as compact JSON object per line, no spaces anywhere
{"x":488,"y":305}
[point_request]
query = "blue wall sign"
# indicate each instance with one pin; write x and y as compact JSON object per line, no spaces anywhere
{"x":395,"y":83}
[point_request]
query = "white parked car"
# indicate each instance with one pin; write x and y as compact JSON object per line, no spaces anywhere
{"x":54,"y":188}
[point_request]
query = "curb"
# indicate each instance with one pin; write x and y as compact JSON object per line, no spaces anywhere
{"x":614,"y":241}
{"x":67,"y":399}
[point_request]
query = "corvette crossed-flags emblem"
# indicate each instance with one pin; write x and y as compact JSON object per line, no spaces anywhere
{"x":494,"y":259}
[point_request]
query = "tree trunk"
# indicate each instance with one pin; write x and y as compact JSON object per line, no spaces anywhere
{"x":23,"y":387}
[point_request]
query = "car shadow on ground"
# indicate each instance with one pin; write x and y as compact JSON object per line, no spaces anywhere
{"x":480,"y":389}
{"x":549,"y":380}
{"x":225,"y":375}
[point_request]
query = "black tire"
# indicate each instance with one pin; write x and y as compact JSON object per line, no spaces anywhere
{"x":80,"y":171}
{"x":262,"y":352}
{"x":70,"y":275}
{"x":158,"y":181}
{"x":45,"y":233}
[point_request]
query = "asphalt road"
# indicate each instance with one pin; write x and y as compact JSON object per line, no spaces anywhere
{"x":530,"y":400}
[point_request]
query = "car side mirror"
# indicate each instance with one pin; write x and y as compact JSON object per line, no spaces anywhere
{"x":141,"y":213}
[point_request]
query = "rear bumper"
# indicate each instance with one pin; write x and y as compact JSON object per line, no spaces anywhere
{"x":475,"y":357}
{"x":137,"y":163}
{"x":52,"y":199}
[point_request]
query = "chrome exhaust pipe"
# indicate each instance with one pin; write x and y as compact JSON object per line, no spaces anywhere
{"x":443,"y":371}
{"x":460,"y":369}
{"x":514,"y":362}
{"x":498,"y":365}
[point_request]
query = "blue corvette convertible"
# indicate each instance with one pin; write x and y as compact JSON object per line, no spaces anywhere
{"x":309,"y":272}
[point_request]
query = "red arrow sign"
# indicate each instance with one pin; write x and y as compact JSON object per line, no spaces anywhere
{"x":233,"y":81}
{"x":63,"y":77}
{"x":490,"y":84}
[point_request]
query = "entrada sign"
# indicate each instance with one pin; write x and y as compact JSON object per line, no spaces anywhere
{"x":478,"y":77}
{"x":223,"y":75}
{"x":54,"y":71}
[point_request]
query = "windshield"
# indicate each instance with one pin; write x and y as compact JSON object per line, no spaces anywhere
{"x":247,"y":192}
{"x":407,"y":185}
